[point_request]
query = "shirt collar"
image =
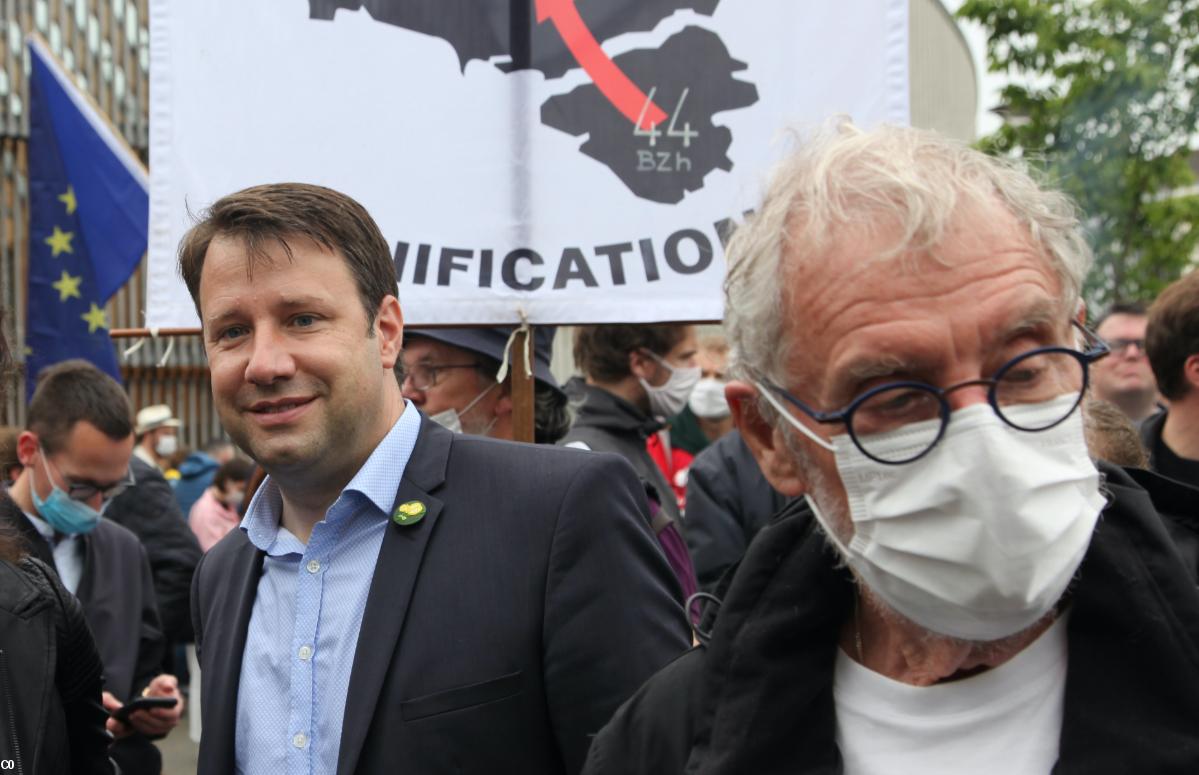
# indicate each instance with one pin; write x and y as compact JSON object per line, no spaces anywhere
{"x":377,"y":480}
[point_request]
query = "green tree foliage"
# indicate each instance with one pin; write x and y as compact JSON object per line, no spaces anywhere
{"x":1105,"y":99}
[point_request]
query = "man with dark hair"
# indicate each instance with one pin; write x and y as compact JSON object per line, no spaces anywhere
{"x":397,"y":595}
{"x":76,"y":450}
{"x":1124,"y":378}
{"x":635,"y":378}
{"x":450,"y":374}
{"x":1172,"y":342}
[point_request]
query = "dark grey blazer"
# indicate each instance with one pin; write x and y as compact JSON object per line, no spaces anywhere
{"x":501,"y":631}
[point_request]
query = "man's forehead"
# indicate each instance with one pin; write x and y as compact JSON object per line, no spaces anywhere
{"x":1123,"y":323}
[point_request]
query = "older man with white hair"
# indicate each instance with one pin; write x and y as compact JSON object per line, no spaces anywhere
{"x":961,"y":589}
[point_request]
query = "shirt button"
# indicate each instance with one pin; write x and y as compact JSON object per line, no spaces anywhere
{"x":314,"y":566}
{"x":305,"y":652}
{"x":300,"y":740}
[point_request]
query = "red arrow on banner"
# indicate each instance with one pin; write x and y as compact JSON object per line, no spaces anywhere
{"x":617,"y":87}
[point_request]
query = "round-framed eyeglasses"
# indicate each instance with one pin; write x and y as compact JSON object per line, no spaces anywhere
{"x":1035,"y":377}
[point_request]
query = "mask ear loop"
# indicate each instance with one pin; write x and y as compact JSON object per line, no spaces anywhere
{"x":778,"y":407}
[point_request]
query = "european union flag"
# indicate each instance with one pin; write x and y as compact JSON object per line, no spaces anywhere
{"x":89,"y":209}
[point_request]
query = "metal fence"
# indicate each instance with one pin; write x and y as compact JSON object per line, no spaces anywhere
{"x":105,"y":45}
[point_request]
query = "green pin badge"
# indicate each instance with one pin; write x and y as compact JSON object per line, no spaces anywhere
{"x":409,"y":513}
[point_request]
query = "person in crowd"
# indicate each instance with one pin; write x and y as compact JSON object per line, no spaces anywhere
{"x":10,"y":466}
{"x":76,"y":449}
{"x":198,"y":469}
{"x":956,"y":553}
{"x":53,"y":712}
{"x":636,"y":376}
{"x":397,"y":594}
{"x":157,"y":432}
{"x":706,"y":417}
{"x":1172,"y":344}
{"x":216,"y":512}
{"x":1125,"y":378}
{"x":148,"y":508}
{"x":451,"y":375}
{"x":728,"y":502}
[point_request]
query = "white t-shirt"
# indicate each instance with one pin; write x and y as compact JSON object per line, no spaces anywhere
{"x":1006,"y":720}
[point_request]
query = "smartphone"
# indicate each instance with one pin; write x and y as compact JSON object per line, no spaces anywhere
{"x":142,"y":703}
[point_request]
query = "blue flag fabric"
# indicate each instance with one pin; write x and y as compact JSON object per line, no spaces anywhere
{"x":89,"y":209}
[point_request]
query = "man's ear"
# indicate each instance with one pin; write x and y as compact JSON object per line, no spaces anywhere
{"x":642,"y":366}
{"x":27,"y":445}
{"x":389,"y":328}
{"x":504,"y":405}
{"x":1190,"y":371}
{"x":766,"y":443}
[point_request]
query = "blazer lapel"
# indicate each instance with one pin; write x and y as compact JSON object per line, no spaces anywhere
{"x":223,"y":647}
{"x":391,"y":589}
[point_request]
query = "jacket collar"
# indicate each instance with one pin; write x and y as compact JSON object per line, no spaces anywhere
{"x":602,"y":409}
{"x":392,"y":586}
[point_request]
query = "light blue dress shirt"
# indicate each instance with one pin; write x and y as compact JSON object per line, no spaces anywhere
{"x":67,"y":550}
{"x":307,"y":615}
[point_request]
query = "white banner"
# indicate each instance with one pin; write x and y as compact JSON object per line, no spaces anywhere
{"x":579,"y":163}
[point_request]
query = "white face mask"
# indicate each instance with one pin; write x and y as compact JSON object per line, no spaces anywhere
{"x":166,"y":445}
{"x":668,"y":399}
{"x":707,"y":400}
{"x":979,"y":538}
{"x":451,"y":419}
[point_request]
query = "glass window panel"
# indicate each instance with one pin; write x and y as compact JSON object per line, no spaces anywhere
{"x":93,"y":34}
{"x":118,"y":9}
{"x":41,"y":15}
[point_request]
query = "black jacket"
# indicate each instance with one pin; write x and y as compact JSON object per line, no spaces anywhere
{"x":607,"y":423}
{"x":51,"y":718}
{"x":501,"y":630}
{"x":150,"y":510}
{"x":728,"y":502}
{"x":759,"y":697}
{"x":117,"y":596}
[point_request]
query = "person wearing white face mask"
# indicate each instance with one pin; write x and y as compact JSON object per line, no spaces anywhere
{"x":904,"y":318}
{"x":450,"y":375}
{"x":635,"y":378}
{"x":157,"y":434}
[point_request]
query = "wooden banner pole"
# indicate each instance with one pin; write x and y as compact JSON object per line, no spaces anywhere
{"x":523,"y":408}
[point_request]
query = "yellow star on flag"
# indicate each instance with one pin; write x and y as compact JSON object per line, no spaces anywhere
{"x":60,"y":242}
{"x":68,"y":199}
{"x":96,"y":319}
{"x":67,"y":286}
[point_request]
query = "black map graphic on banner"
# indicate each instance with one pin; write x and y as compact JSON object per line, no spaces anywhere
{"x":656,"y":134}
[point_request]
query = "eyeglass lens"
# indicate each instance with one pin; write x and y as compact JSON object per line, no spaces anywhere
{"x":1035,"y":378}
{"x":1121,"y":345}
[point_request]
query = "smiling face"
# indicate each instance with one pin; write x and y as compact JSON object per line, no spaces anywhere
{"x":301,"y":382}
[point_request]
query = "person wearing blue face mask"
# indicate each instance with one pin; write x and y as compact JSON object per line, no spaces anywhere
{"x":75,"y":450}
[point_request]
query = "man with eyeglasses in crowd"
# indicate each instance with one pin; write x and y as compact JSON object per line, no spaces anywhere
{"x":1125,"y":378}
{"x":903,"y":317}
{"x":75,"y":449}
{"x":451,"y":375}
